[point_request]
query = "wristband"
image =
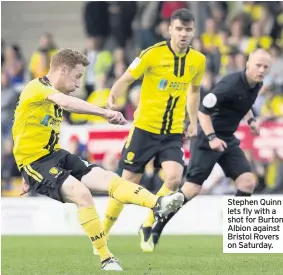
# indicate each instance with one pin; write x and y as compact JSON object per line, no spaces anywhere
{"x":211,"y":136}
{"x":251,"y":120}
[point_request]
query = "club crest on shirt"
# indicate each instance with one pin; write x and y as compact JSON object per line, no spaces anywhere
{"x":130,"y":156}
{"x":53,"y":171}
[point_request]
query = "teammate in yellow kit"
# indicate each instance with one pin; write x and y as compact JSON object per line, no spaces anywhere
{"x":172,"y":72}
{"x":54,"y":172}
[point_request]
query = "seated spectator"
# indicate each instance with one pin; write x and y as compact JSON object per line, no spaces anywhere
{"x":13,"y":67}
{"x":75,"y":147}
{"x":254,"y":10}
{"x":101,"y":62}
{"x":118,"y":67}
{"x":237,"y":37}
{"x":98,"y":98}
{"x":276,"y":70}
{"x":209,"y":37}
{"x":257,"y":39}
{"x":272,"y":108}
{"x":40,"y":60}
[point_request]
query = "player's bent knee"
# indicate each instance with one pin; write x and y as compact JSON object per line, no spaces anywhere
{"x":74,"y":191}
{"x":246,"y":182}
{"x":131,"y":176}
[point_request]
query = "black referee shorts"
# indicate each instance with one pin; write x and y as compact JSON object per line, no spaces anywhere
{"x":47,"y":174}
{"x":202,"y":160}
{"x":142,"y":146}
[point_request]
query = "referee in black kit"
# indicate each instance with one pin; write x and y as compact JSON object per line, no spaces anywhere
{"x":220,"y":114}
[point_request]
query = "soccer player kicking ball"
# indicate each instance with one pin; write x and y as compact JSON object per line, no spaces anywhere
{"x":172,"y":72}
{"x":220,"y":113}
{"x":54,"y":172}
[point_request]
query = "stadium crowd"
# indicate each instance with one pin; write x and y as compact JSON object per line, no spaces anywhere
{"x":226,"y":37}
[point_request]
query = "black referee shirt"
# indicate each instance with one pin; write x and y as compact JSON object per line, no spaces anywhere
{"x":229,"y":102}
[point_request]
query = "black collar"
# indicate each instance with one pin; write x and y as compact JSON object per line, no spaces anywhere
{"x":246,"y":83}
{"x":170,"y":48}
{"x":45,"y":78}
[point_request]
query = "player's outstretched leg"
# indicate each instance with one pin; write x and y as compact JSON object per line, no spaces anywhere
{"x":74,"y":191}
{"x":114,"y":207}
{"x":130,"y":193}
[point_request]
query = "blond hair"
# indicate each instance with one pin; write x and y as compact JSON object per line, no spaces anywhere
{"x":69,"y":58}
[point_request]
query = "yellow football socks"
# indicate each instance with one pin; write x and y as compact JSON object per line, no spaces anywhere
{"x":128,"y":192}
{"x":90,"y":222}
{"x":113,"y":211}
{"x":163,"y":191}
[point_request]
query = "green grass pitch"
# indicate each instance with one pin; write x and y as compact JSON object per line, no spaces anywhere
{"x":196,"y":255}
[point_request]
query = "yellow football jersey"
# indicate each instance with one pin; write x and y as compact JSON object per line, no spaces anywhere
{"x":37,"y":123}
{"x":167,"y":76}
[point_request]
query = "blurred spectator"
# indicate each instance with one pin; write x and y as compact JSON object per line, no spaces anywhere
{"x":276,"y":71}
{"x":237,"y":38}
{"x":96,"y":19}
{"x":9,"y":99}
{"x":274,"y":175}
{"x":13,"y":67}
{"x":209,"y":37}
{"x":254,"y":10}
{"x":144,"y":23}
{"x":218,"y":12}
{"x":110,"y":161}
{"x":278,"y":30}
{"x":134,"y":97}
{"x":207,"y":82}
{"x":2,"y":51}
{"x":257,"y":169}
{"x":226,"y":51}
{"x":39,"y":63}
{"x":117,"y":69}
{"x":100,"y":64}
{"x":257,"y":39}
{"x":162,"y":31}
{"x":272,"y":107}
{"x":121,"y":17}
{"x":168,"y":7}
{"x":8,"y":168}
{"x":240,"y":61}
{"x":74,"y":147}
{"x":217,"y":183}
{"x":267,"y":21}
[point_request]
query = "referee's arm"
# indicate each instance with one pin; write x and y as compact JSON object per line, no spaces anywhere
{"x":210,"y":103}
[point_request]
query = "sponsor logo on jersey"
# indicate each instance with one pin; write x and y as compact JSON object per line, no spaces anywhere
{"x":162,"y":84}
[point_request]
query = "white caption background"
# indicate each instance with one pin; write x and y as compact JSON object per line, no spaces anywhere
{"x":253,"y":224}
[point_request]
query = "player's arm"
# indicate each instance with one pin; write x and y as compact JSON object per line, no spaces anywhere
{"x":76,"y":105}
{"x":134,"y":72}
{"x":193,"y":99}
{"x":119,"y":89}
